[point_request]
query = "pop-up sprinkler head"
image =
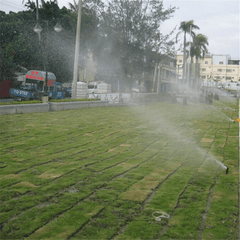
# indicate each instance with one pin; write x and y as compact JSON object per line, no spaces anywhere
{"x":227,"y":170}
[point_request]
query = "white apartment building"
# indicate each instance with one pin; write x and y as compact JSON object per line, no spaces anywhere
{"x":215,"y":68}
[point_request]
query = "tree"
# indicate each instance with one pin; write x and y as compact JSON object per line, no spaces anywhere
{"x":73,"y":6}
{"x":18,"y":37}
{"x":198,"y":49}
{"x":186,"y":27}
{"x":131,"y":34}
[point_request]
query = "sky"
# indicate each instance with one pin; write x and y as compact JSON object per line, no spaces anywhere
{"x":219,"y":20}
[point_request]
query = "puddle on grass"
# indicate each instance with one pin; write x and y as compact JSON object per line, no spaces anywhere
{"x":43,"y":205}
{"x":17,"y":198}
{"x":16,"y":216}
{"x":13,"y":218}
{"x":70,"y":190}
{"x":73,"y":190}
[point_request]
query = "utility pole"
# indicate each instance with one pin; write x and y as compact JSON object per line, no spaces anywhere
{"x":37,"y":19}
{"x":154,"y":77}
{"x":77,"y":47}
{"x":158,"y":81}
{"x":189,"y":59}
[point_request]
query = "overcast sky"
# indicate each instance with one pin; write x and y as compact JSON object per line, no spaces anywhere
{"x":219,"y":20}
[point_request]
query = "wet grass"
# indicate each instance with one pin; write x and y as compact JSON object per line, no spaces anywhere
{"x":101,"y":173}
{"x":75,"y":100}
{"x":21,"y":102}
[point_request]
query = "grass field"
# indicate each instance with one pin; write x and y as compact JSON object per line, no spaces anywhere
{"x":104,"y":173}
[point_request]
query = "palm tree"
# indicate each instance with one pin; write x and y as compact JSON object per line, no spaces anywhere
{"x":186,"y":27}
{"x":31,"y":5}
{"x":199,"y":49}
{"x":74,"y":6}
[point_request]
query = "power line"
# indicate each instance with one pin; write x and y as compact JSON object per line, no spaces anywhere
{"x":6,"y":5}
{"x":12,"y":3}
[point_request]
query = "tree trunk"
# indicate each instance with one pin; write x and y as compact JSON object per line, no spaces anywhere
{"x":197,"y":74}
{"x":184,"y":57}
{"x":190,"y":71}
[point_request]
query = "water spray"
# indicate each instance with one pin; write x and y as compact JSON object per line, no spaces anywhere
{"x":221,"y":164}
{"x":231,"y":119}
{"x":227,"y":168}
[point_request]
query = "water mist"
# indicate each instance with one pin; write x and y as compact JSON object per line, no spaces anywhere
{"x":168,"y":128}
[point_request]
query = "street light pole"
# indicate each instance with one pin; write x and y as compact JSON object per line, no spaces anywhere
{"x":189,"y":59}
{"x":38,"y":29}
{"x":178,"y":74}
{"x":77,"y":47}
{"x":46,"y":60}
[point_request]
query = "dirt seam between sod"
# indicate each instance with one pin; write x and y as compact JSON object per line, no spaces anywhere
{"x":93,"y":192}
{"x":151,"y":195}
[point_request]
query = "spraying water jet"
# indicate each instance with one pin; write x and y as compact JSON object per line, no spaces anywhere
{"x":227,"y":168}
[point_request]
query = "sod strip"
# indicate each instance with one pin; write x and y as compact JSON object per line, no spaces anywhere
{"x":158,"y":204}
{"x":144,"y":226}
{"x":218,"y":146}
{"x":56,"y":156}
{"x":187,"y":234}
{"x":28,"y":214}
{"x":145,"y":233}
{"x":98,"y":185}
{"x":48,"y":189}
{"x":35,"y":141}
{"x":223,"y":224}
{"x":70,"y":222}
{"x":143,"y":169}
{"x":79,"y":141}
{"x":90,"y":181}
{"x":152,"y":178}
{"x":58,"y":185}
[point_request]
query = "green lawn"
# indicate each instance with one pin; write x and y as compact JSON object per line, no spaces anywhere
{"x":102,"y":173}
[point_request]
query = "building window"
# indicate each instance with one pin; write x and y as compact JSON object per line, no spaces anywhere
{"x":206,"y":62}
{"x":228,"y":78}
{"x":203,"y":77}
{"x":203,"y":69}
{"x":180,"y":61}
{"x":229,"y":70}
{"x":219,"y":70}
{"x":220,"y":62}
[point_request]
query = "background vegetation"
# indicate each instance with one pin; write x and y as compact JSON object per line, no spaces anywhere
{"x":124,"y":37}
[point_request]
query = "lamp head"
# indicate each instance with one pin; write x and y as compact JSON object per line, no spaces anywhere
{"x":58,"y":28}
{"x":37,"y":28}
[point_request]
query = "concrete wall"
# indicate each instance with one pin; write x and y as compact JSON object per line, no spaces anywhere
{"x":76,"y":105}
{"x":24,"y":108}
{"x":51,"y":106}
{"x":112,"y":99}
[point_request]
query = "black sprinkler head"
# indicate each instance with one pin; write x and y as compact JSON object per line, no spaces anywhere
{"x":227,"y":170}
